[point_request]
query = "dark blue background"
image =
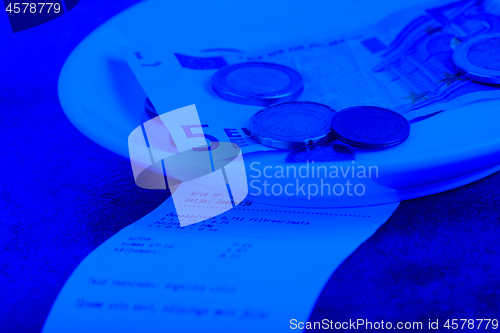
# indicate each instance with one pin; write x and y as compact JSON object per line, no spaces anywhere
{"x":62,"y":195}
{"x":24,"y":19}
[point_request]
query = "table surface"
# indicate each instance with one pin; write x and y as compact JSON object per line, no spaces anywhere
{"x":62,"y":195}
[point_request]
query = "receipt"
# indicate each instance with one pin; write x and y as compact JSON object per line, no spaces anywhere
{"x":251,"y":269}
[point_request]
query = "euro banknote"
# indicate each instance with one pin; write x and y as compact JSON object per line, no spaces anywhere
{"x":403,"y":63}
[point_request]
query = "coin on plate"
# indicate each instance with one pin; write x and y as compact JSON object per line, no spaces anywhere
{"x":257,"y":83}
{"x":292,"y":125}
{"x":479,"y":58}
{"x":321,"y":152}
{"x":370,"y":127}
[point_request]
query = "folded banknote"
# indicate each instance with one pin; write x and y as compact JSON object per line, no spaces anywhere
{"x":403,"y":63}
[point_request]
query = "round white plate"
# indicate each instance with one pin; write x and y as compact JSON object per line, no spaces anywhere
{"x":102,"y":98}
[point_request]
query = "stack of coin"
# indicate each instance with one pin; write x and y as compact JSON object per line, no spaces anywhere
{"x":370,"y":127}
{"x":292,"y":125}
{"x":478,"y":58}
{"x":257,"y":83}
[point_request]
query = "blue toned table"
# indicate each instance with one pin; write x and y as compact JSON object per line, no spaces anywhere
{"x":63,"y":195}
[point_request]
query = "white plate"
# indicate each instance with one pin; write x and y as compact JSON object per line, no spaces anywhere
{"x":102,"y":98}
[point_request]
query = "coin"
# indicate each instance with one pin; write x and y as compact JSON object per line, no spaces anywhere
{"x":150,"y":109}
{"x":370,"y":127}
{"x":292,"y":125}
{"x":321,"y":152}
{"x":257,"y":83}
{"x":479,"y":58}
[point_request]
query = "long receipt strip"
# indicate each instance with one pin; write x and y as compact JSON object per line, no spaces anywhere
{"x":251,"y":269}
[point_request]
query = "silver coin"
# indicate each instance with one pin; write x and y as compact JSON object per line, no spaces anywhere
{"x":479,"y":58}
{"x":257,"y":83}
{"x":292,"y":125}
{"x":370,"y":127}
{"x":321,"y":152}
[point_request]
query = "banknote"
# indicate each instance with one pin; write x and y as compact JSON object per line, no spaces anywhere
{"x":173,"y":80}
{"x":403,"y":63}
